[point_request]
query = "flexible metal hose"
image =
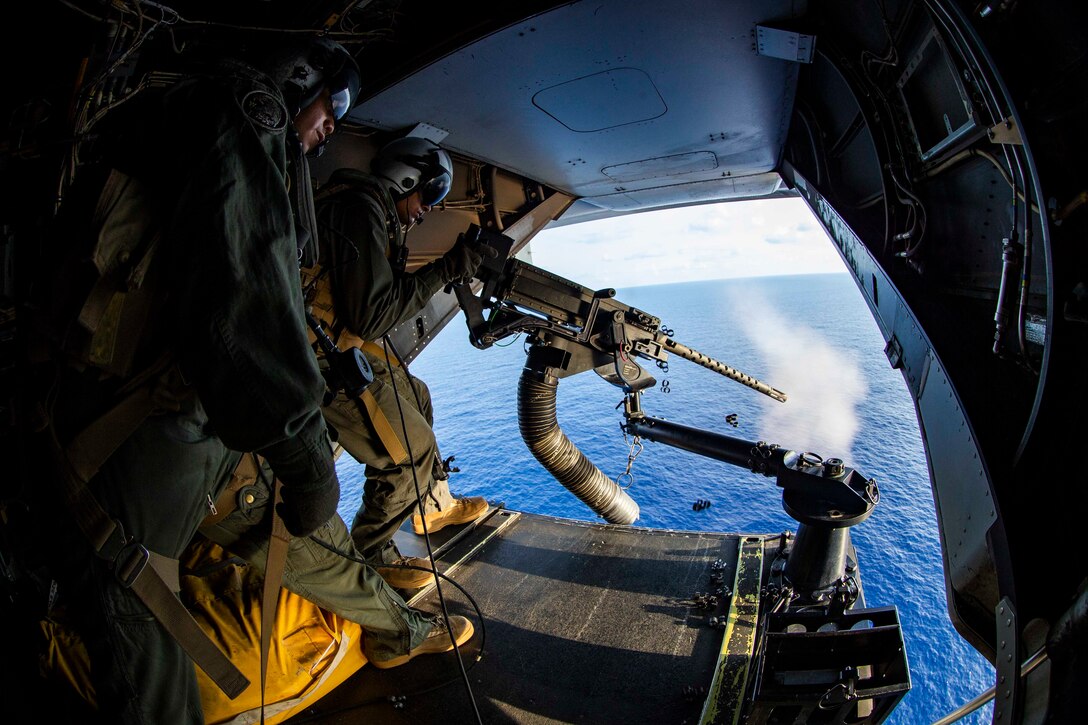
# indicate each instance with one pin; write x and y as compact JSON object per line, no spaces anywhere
{"x":556,"y":452}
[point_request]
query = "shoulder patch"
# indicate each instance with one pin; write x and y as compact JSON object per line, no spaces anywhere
{"x":265,"y":110}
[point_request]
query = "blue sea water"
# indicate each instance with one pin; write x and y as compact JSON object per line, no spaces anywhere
{"x":812,"y":337}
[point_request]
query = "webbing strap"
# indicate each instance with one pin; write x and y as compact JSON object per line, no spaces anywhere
{"x":176,"y":620}
{"x":129,"y":560}
{"x":143,"y":394}
{"x":379,"y":352}
{"x":168,"y":570}
{"x":97,"y":442}
{"x":368,"y":406}
{"x":273,"y":576}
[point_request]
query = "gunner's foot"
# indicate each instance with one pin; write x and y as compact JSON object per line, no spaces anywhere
{"x":437,"y":640}
{"x":400,"y":578}
{"x":462,"y":511}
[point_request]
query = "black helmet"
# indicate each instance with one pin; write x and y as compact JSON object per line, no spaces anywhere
{"x":305,"y":70}
{"x":413,"y":164}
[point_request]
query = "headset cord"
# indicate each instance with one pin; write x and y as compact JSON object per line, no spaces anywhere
{"x":426,"y":533}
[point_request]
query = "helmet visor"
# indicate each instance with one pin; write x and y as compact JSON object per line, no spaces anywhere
{"x":341,"y":102}
{"x":434,"y":190}
{"x":344,"y":90}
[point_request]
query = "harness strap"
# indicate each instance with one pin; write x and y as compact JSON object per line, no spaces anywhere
{"x":273,"y":576}
{"x":130,"y":558}
{"x":369,"y":408}
{"x":177,"y":620}
{"x":148,"y":390}
{"x":168,"y":570}
{"x":246,"y":473}
{"x":93,"y":446}
{"x":378,"y":351}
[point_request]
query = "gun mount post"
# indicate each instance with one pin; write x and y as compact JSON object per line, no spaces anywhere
{"x":825,"y":497}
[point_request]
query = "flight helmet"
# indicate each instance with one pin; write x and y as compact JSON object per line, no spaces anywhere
{"x":304,"y":70}
{"x":413,"y":164}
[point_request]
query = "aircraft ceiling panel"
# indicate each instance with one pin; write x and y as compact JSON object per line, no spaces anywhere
{"x":597,"y":109}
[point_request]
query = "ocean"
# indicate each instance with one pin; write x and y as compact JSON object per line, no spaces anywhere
{"x":810,"y":336}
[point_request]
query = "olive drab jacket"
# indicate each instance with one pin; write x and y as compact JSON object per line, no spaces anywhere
{"x":213,"y":154}
{"x":362,"y":251}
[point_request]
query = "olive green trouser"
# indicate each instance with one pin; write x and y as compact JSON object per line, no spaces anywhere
{"x":349,"y":588}
{"x":389,"y":494}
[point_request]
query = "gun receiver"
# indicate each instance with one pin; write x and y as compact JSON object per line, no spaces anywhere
{"x":586,"y":329}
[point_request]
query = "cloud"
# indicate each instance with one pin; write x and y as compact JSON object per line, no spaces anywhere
{"x":709,"y":241}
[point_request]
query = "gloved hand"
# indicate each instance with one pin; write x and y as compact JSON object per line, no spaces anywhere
{"x":461,"y":262}
{"x":304,"y":510}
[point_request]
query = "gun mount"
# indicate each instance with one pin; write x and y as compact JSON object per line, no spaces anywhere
{"x":825,"y":497}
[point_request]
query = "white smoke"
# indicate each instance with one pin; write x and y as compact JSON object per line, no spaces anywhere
{"x":824,"y":384}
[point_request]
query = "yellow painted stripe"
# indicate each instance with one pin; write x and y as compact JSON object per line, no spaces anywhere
{"x":726,"y":697}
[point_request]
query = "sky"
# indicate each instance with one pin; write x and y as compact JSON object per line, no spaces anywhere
{"x":761,"y":238}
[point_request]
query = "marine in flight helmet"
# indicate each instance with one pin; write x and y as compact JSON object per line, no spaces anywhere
{"x":306,"y":69}
{"x":412,"y":164}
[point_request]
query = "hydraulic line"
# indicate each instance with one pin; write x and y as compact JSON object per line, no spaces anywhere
{"x":541,"y":432}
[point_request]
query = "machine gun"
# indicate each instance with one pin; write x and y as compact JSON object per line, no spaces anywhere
{"x":572,"y":327}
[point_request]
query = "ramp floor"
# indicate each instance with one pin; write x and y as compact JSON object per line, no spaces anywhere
{"x":582,"y":623}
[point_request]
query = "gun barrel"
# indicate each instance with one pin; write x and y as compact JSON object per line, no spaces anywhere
{"x":682,"y":350}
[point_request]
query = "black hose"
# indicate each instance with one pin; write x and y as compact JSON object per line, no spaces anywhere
{"x":556,"y":452}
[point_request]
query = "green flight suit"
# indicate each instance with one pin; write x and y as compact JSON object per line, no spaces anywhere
{"x":213,"y":152}
{"x":361,"y":238}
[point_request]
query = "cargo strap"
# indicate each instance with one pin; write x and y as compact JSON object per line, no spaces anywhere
{"x":129,"y":558}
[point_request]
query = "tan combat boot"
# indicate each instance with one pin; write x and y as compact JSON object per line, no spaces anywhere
{"x":462,"y":511}
{"x":402,"y":578}
{"x":437,"y":640}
